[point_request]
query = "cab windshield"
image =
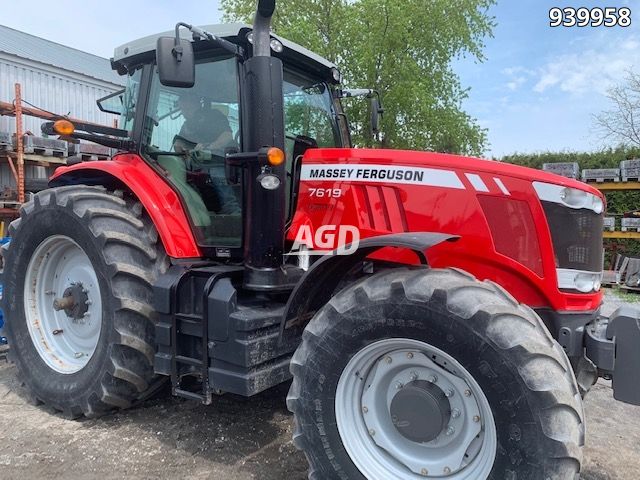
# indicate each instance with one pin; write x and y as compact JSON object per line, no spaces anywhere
{"x":188,"y":132}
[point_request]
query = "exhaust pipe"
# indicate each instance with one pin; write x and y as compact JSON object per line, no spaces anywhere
{"x":262,"y":28}
{"x":265,"y":211}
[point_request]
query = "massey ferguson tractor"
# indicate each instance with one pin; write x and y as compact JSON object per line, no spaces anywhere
{"x":439,"y":315}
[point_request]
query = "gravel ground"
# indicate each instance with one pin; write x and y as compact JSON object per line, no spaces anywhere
{"x":232,"y":439}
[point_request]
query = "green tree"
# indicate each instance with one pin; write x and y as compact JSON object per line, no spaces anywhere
{"x":622,"y":122}
{"x":402,"y":48}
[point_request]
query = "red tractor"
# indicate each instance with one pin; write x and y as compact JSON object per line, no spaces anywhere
{"x":439,"y":314}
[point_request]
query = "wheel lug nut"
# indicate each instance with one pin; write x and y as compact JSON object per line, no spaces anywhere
{"x":467,"y":393}
{"x":424,"y":472}
{"x":388,"y":360}
{"x":451,"y":431}
{"x":78,"y":355}
{"x":449,"y":393}
{"x":372,"y":432}
{"x":433,"y":378}
{"x":476,"y":418}
{"x":365,"y":410}
{"x":455,"y":413}
{"x":447,"y":470}
{"x":410,"y":355}
{"x":399,"y":385}
{"x":414,"y":376}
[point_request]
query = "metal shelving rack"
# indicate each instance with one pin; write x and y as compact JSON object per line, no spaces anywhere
{"x":18,"y":158}
{"x":612,"y":187}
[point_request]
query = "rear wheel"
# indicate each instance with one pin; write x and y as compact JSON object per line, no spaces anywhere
{"x":78,"y":277}
{"x":413,"y":374}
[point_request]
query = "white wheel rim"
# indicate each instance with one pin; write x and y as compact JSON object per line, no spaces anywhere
{"x":466,"y":447}
{"x":64,"y":343}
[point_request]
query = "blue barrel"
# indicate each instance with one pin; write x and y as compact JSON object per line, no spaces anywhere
{"x":3,"y":339}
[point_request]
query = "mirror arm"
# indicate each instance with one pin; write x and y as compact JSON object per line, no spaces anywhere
{"x":177,"y":48}
{"x":204,"y":35}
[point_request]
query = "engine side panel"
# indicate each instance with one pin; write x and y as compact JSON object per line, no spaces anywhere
{"x":389,"y":191}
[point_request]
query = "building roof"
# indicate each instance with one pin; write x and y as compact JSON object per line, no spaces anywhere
{"x":30,"y":47}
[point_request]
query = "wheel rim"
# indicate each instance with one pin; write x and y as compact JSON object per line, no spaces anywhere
{"x":378,"y":442}
{"x":61,"y":274}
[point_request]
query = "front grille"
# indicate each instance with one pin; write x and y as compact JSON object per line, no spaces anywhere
{"x":576,"y":235}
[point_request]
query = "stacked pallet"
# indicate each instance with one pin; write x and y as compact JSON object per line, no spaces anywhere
{"x":42,"y":155}
{"x":565,"y":169}
{"x":609,"y":224}
{"x":630,"y":170}
{"x":600,"y":175}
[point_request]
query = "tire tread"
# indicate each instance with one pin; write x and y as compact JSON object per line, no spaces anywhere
{"x":484,"y":304}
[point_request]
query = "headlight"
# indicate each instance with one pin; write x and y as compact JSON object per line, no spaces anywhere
{"x":276,"y":46}
{"x":269,"y":181}
{"x":571,"y":197}
{"x":337,"y":76}
{"x":575,"y":198}
{"x":585,"y":282}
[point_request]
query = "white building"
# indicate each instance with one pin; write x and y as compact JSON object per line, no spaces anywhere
{"x":53,"y":77}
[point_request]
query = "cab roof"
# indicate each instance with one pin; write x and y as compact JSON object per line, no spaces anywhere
{"x":133,"y":52}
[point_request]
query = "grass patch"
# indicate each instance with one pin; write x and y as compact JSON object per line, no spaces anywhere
{"x":625,"y":295}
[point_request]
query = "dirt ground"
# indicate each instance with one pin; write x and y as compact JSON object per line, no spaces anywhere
{"x":168,"y":438}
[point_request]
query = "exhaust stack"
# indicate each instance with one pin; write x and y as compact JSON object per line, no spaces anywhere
{"x":262,"y":28}
{"x":263,"y":110}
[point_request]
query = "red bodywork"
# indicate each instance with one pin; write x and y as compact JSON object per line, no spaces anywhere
{"x":456,"y":207}
{"x":155,"y":194}
{"x":460,"y":200}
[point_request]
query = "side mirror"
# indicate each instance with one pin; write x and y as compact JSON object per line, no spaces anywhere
{"x":176,"y":63}
{"x":302,"y":144}
{"x":376,"y":113}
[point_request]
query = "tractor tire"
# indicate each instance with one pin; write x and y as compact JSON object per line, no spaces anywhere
{"x":97,"y":254}
{"x":391,"y":369}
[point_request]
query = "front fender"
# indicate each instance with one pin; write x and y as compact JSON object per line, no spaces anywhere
{"x":319,"y":283}
{"x":159,"y":200}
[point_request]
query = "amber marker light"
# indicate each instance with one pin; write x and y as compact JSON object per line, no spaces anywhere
{"x":275,"y":156}
{"x":63,"y":127}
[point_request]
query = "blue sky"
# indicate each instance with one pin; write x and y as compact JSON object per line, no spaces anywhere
{"x":537,"y":89}
{"x":540,"y":86}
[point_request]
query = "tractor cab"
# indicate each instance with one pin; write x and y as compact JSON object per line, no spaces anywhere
{"x":188,"y":132}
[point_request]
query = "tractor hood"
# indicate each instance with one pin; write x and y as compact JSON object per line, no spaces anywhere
{"x":441,"y":163}
{"x":529,"y":230}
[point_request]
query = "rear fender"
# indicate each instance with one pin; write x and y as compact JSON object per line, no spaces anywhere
{"x":161,"y":202}
{"x":318,"y":285}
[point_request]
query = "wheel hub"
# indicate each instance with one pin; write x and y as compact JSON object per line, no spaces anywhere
{"x":63,"y":304}
{"x":420,"y":411}
{"x":406,"y":408}
{"x":74,"y":301}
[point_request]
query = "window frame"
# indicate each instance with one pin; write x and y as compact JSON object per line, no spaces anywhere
{"x":233,"y":253}
{"x":221,"y":252}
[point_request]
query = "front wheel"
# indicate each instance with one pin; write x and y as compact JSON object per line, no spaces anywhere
{"x":78,"y":276}
{"x":413,"y":374}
